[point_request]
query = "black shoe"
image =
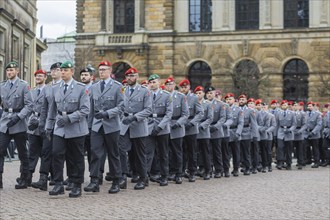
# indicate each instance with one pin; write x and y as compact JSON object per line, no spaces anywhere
{"x":263,"y":170}
{"x":100,"y":180}
{"x":324,"y":164}
{"x":186,"y":175}
{"x":171,"y":177}
{"x":93,"y":186}
{"x":308,"y":162}
{"x":69,"y":186}
{"x":65,"y":182}
{"x":217,"y":175}
{"x":192,"y":178}
{"x":242,"y":170}
{"x":1,"y":184}
{"x":270,"y":169}
{"x":254,"y":171}
{"x":146,"y":182}
{"x":57,"y":190}
{"x":206,"y":176}
{"x":247,"y":173}
{"x":108,"y":177}
{"x":288,"y":167}
{"x":259,"y":169}
{"x":135,"y":179}
{"x":22,"y":184}
{"x":154,"y":178}
{"x":163,"y":182}
{"x":200,"y":172}
{"x":227,"y":174}
{"x":123,"y":182}
{"x":299,"y":167}
{"x":178,"y":180}
{"x":235,"y":173}
{"x":51,"y":182}
{"x":76,"y":191}
{"x":140,"y":185}
{"x":115,"y":187}
{"x":315,"y":165}
{"x":41,"y":184}
{"x":279,"y":166}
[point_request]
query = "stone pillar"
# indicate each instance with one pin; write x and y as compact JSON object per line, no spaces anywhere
{"x":182,"y":16}
{"x":217,"y":11}
{"x":265,"y":14}
{"x":277,"y":14}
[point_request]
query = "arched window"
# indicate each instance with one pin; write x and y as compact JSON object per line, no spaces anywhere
{"x":246,"y":78}
{"x":296,"y":13}
{"x":247,"y":14}
{"x":200,"y":74}
{"x":295,"y":79}
{"x":200,"y":15}
{"x":124,"y":16}
{"x":119,"y":69}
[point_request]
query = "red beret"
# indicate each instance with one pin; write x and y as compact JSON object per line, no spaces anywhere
{"x":162,"y":87}
{"x":242,"y":96}
{"x":251,"y":100}
{"x":274,"y":101}
{"x":258,"y":101}
{"x":199,"y":88}
{"x":317,"y":104}
{"x":144,"y":82}
{"x":301,"y":103}
{"x":184,"y":82}
{"x":40,"y":72}
{"x":229,"y":95}
{"x":131,"y":71}
{"x":283,"y":102}
{"x":310,"y":103}
{"x":124,"y":81}
{"x":169,"y":80}
{"x":290,"y":103}
{"x":326,"y":105}
{"x":105,"y":63}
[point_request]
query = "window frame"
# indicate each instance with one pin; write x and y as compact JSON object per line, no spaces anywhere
{"x":203,"y":12}
{"x":128,"y":25}
{"x":294,"y":21}
{"x":252,"y":17}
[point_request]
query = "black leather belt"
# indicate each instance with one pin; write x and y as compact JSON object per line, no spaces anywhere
{"x":64,"y":113}
{"x":326,"y":127}
{"x":128,"y":114}
{"x":286,"y":127}
{"x":12,"y":109}
{"x":298,"y":127}
{"x":175,"y":117}
{"x":36,"y":114}
{"x":156,"y":115}
{"x":246,"y":126}
{"x":191,"y":117}
{"x":233,"y":127}
{"x":213,"y":123}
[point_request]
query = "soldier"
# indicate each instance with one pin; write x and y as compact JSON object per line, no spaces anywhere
{"x":269,"y":132}
{"x":17,"y":105}
{"x":191,"y":127}
{"x":68,"y":108}
{"x":255,"y":138}
{"x":159,"y":128}
{"x":235,"y":131}
{"x":311,"y":131}
{"x":326,"y":134}
{"x":178,"y":120}
{"x":40,"y":145}
{"x":220,"y":159}
{"x":287,"y":123}
{"x":298,"y":142}
{"x":275,"y":110}
{"x":203,"y":136}
{"x":107,"y":104}
{"x":137,"y":108}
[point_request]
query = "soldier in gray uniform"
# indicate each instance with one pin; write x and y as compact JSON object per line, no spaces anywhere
{"x":248,"y":133}
{"x":137,"y":109}
{"x":39,"y":144}
{"x":69,"y":107}
{"x":287,"y":124}
{"x":298,"y":142}
{"x":191,"y":127}
{"x":255,"y":139}
{"x":107,"y":104}
{"x":178,"y":120}
{"x":236,"y":129}
{"x":159,"y":128}
{"x":312,"y":132}
{"x":269,"y":132}
{"x":216,"y":130}
{"x":275,"y":110}
{"x":17,"y":105}
{"x":203,"y":136}
{"x":326,"y":134}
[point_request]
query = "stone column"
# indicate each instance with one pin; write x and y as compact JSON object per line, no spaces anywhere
{"x":182,"y":15}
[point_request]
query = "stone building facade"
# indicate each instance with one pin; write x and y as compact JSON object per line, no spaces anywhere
{"x":267,"y":49}
{"x":18,"y":20}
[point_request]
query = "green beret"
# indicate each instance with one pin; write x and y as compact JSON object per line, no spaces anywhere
{"x":12,"y":64}
{"x":153,"y":77}
{"x":67,"y":64}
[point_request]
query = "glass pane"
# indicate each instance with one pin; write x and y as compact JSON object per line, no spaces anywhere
{"x":296,"y":13}
{"x":247,"y":14}
{"x":124,"y":16}
{"x":200,"y":74}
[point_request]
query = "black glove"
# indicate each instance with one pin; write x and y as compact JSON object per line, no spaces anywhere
{"x":101,"y":115}
{"x":33,"y":124}
{"x":237,"y":136}
{"x":129,"y":119}
{"x":298,"y":132}
{"x":201,"y":127}
{"x":262,"y":129}
{"x":13,"y":121}
{"x":189,"y":125}
{"x":156,"y":131}
{"x":62,"y":121}
{"x":224,"y":126}
{"x":326,"y":134}
{"x":49,"y":133}
{"x":213,"y":129}
{"x":310,"y":134}
{"x":286,"y":131}
{"x":176,"y":125}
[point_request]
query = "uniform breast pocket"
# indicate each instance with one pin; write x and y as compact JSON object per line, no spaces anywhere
{"x":137,"y":104}
{"x":110,"y":101}
{"x":73,"y":104}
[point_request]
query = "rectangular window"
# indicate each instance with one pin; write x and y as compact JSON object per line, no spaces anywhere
{"x":200,"y":15}
{"x":15,"y":48}
{"x":296,"y":13}
{"x":2,"y":40}
{"x":124,"y":16}
{"x":247,"y":14}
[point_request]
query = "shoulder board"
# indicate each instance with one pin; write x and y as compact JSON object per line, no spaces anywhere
{"x":166,"y":92}
{"x":23,"y":81}
{"x":80,"y":84}
{"x":180,"y":93}
{"x":4,"y":81}
{"x":118,"y":83}
{"x":144,"y":87}
{"x":207,"y":101}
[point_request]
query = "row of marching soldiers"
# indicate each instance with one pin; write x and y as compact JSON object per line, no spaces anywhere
{"x":147,"y":133}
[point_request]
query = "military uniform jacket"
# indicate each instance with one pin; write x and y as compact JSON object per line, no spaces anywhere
{"x":75,"y":104}
{"x":250,"y":127}
{"x":18,"y":100}
{"x":263,"y":121}
{"x":162,"y":110}
{"x":238,"y":122}
{"x":111,"y":100}
{"x":286,"y":120}
{"x":219,"y":118}
{"x":180,"y":114}
{"x":275,"y":112}
{"x":204,"y":124}
{"x":138,"y":104}
{"x":313,"y":124}
{"x":196,"y":113}
{"x":272,"y":126}
{"x":326,"y":123}
{"x":229,"y":120}
{"x":38,"y":101}
{"x":301,"y":120}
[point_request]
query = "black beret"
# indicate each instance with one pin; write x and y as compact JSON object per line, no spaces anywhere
{"x":87,"y":69}
{"x":209,"y":89}
{"x":56,"y":65}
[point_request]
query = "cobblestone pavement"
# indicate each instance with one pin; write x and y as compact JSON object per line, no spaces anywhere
{"x":277,"y":195}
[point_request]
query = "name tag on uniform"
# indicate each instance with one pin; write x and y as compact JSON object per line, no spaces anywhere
{"x":154,"y":115}
{"x":63,"y":113}
{"x":10,"y":110}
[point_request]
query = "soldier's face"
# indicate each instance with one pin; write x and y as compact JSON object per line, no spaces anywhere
{"x":251,"y":105}
{"x":12,"y":73}
{"x":85,"y":77}
{"x":40,"y":79}
{"x":154,"y":84}
{"x":264,"y":107}
{"x":230,"y":100}
{"x":259,"y":107}
{"x":105,"y":72}
{"x":310,"y":107}
{"x":273,"y":106}
{"x":210,"y":95}
{"x":296,"y":107}
{"x":170,"y":86}
{"x":242,"y":101}
{"x":185,"y":89}
{"x":55,"y":73}
{"x":67,"y":74}
{"x":200,"y":95}
{"x":284,"y":106}
{"x":132,"y":79}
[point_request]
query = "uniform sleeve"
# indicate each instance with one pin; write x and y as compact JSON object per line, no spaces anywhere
{"x":240,"y":122}
{"x":168,"y":113}
{"x":147,"y":110}
{"x":229,"y":116}
{"x":222,"y":117}
{"x":28,"y":105}
{"x":119,"y":104}
{"x":91,"y":111}
{"x":52,"y":111}
{"x":209,"y":118}
{"x":294,"y":123}
{"x":318,"y":127}
{"x":199,"y":112}
{"x":184,"y":112}
{"x":84,"y":107}
{"x":272,"y":124}
{"x":254,"y":125}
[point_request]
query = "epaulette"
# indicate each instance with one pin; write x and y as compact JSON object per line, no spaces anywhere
{"x":166,"y":92}
{"x":81,"y":84}
{"x":3,"y":82}
{"x":23,"y":81}
{"x":143,"y":86}
{"x":118,"y":83}
{"x":180,"y":93}
{"x":206,"y":101}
